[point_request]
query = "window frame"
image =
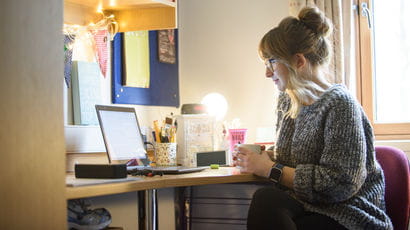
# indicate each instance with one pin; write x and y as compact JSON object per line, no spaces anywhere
{"x":364,"y":81}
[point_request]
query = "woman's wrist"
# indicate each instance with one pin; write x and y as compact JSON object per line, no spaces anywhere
{"x":267,"y":168}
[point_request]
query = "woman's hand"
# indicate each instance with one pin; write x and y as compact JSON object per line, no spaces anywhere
{"x":251,"y":162}
{"x":271,"y":154}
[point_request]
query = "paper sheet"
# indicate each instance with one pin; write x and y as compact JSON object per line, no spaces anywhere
{"x":71,"y":181}
{"x":136,"y":55}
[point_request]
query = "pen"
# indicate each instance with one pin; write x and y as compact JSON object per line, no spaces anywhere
{"x":163,"y":135}
{"x":154,"y":136}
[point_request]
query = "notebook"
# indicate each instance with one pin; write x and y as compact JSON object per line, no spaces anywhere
{"x":123,"y":140}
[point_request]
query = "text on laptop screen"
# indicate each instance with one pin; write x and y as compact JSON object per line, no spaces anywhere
{"x":122,"y":135}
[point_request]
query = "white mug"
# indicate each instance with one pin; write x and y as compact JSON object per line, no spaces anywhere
{"x":253,"y":147}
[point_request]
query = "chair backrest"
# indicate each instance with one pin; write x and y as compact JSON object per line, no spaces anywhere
{"x":396,"y":170}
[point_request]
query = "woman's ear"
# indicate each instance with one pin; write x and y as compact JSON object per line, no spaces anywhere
{"x":300,"y":60}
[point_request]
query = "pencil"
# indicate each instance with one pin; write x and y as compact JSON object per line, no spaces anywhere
{"x":157,"y":131}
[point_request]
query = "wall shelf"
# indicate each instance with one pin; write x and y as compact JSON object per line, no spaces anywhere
{"x":131,"y":15}
{"x":123,"y":4}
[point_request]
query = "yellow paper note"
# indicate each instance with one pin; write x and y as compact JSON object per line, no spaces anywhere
{"x":136,"y":59}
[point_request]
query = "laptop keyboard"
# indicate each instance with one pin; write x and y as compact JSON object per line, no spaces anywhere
{"x":160,"y":170}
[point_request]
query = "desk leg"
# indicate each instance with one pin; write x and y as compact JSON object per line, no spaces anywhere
{"x":152,"y":209}
{"x":180,"y":218}
{"x":183,"y":208}
{"x":148,"y":210}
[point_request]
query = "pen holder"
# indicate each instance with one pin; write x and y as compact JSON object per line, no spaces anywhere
{"x":166,"y":154}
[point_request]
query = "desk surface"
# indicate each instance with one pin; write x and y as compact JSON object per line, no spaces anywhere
{"x":208,"y":176}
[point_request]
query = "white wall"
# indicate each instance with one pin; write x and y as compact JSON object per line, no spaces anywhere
{"x":218,"y":53}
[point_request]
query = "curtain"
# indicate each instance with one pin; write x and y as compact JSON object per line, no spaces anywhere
{"x":341,"y":18}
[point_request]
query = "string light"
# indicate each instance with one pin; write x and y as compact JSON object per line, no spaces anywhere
{"x":82,"y":37}
{"x":107,"y":23}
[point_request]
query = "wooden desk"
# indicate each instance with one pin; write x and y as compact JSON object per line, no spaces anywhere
{"x":222,"y":175}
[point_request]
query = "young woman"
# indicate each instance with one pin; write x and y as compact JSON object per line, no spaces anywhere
{"x":324,"y":165}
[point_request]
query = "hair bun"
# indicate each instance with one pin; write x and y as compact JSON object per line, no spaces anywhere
{"x":315,"y":20}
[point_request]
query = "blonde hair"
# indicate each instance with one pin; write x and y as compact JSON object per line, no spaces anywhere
{"x":308,"y":35}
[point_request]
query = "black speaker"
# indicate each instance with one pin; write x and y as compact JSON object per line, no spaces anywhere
{"x":108,"y":171}
{"x":213,"y":157}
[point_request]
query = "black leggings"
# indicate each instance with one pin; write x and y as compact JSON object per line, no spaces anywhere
{"x":271,"y":208}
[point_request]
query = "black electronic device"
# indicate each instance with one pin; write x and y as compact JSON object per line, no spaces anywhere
{"x":212,"y":157}
{"x":107,"y":171}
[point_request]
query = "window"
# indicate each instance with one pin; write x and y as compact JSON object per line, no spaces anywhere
{"x":383,"y":61}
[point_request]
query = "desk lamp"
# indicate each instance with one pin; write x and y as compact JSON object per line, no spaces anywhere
{"x":216,"y":105}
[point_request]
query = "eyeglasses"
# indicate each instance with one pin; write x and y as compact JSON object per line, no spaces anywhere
{"x":271,"y":64}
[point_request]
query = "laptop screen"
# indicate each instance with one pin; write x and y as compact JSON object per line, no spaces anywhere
{"x":121,"y":132}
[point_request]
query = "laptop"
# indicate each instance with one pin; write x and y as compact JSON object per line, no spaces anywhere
{"x":123,"y":140}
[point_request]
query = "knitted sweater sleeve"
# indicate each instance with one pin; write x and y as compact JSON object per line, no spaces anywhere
{"x":341,"y":170}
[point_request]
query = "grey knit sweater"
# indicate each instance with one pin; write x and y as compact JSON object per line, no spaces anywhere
{"x":330,"y":144}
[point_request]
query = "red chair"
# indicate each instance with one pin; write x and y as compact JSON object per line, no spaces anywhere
{"x":396,"y":170}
